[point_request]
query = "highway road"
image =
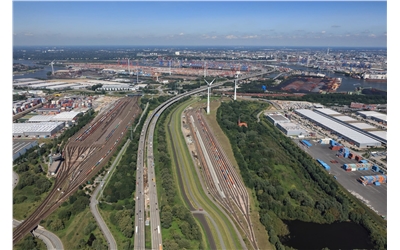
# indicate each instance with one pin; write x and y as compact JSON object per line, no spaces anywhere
{"x":148,"y":171}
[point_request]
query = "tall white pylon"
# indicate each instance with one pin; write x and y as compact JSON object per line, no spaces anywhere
{"x":234,"y":96}
{"x":208,"y":95}
{"x":129,"y":69}
{"x":205,"y":69}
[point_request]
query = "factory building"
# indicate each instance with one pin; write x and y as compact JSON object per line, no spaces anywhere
{"x":346,"y":132}
{"x":277,"y":118}
{"x":43,"y":129}
{"x":291,"y":129}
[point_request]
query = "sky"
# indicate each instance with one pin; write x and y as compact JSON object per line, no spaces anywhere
{"x":263,"y":23}
{"x":259,"y":23}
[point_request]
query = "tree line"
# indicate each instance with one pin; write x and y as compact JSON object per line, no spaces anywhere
{"x":289,"y":184}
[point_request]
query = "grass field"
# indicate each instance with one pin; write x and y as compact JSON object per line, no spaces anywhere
{"x":259,"y":229}
{"x":226,"y":229}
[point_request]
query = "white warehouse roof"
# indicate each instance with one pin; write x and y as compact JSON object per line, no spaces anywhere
{"x":20,"y":128}
{"x":361,"y":139}
{"x":381,"y":134}
{"x":41,"y":118}
{"x":345,"y":118}
{"x":328,"y":112}
{"x":65,"y":116}
{"x":362,"y":125}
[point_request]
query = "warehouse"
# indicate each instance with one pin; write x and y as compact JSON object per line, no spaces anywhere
{"x":46,"y":84}
{"x":328,"y":112}
{"x":43,"y":129}
{"x":20,"y":147}
{"x":379,"y":117}
{"x":360,"y":140}
{"x":381,"y":134}
{"x":65,"y":116}
{"x":63,"y":86}
{"x":41,"y":118}
{"x":277,"y":118}
{"x":291,"y":129}
{"x":344,"y":118}
{"x":114,"y":87}
{"x":362,"y":125}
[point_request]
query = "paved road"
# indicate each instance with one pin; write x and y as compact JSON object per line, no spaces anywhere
{"x":139,"y":241}
{"x":112,"y":244}
{"x":51,"y":240}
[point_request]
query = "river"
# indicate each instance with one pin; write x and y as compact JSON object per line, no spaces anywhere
{"x":338,"y":235}
{"x":348,"y":83}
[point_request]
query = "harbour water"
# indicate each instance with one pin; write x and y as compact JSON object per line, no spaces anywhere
{"x":40,"y":74}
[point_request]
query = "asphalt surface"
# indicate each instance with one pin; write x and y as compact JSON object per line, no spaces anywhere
{"x":373,"y":196}
{"x":51,"y":240}
{"x":139,"y":241}
{"x":112,"y":244}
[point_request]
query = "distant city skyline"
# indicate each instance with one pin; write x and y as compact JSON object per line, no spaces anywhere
{"x":280,"y":23}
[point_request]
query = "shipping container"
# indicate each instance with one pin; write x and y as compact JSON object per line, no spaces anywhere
{"x":369,"y":180}
{"x":377,"y":183}
{"x":358,"y":158}
{"x":375,"y":168}
{"x":363,"y":161}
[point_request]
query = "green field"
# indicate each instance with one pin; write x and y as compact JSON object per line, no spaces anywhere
{"x":188,"y":171}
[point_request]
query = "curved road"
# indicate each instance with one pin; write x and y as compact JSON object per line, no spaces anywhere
{"x":51,"y":240}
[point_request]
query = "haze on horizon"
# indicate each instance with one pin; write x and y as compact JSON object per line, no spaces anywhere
{"x":334,"y":24}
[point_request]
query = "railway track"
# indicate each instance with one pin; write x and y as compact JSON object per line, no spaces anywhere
{"x":83,"y":156}
{"x":221,"y":177}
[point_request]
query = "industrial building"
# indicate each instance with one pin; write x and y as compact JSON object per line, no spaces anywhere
{"x":348,"y":133}
{"x":373,"y":115}
{"x":114,"y":87}
{"x":291,"y":129}
{"x":20,"y":147}
{"x":67,"y":117}
{"x":43,"y":129}
{"x":277,"y":118}
{"x":363,"y":128}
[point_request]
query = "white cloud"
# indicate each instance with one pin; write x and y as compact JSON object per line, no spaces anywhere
{"x":372,"y":35}
{"x":231,"y":37}
{"x":323,"y":32}
{"x":181,"y":34}
{"x":28,"y":34}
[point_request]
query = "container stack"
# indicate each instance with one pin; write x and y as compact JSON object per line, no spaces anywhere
{"x":373,"y":179}
{"x":344,"y":152}
{"x":335,"y":145}
{"x":356,"y":166}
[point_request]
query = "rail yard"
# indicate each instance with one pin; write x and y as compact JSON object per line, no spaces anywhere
{"x":222,"y":180}
{"x":84,"y":155}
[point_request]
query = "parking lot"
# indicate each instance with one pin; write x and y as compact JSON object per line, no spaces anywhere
{"x":373,"y":196}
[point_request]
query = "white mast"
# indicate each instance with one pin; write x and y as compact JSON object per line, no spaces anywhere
{"x":234,"y":97}
{"x":208,"y":96}
{"x":129,"y":69}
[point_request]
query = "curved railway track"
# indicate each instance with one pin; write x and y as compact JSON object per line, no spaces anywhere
{"x":83,"y":156}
